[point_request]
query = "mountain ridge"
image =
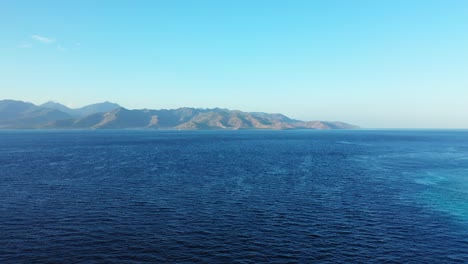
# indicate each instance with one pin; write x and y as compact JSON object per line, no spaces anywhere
{"x":18,"y":114}
{"x":82,"y":111}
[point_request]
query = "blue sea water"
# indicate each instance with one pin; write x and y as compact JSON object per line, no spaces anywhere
{"x":363,"y":196}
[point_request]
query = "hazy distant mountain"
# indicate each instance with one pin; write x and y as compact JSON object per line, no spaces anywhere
{"x":11,"y":109}
{"x":17,"y":114}
{"x":58,"y":106}
{"x":83,"y":111}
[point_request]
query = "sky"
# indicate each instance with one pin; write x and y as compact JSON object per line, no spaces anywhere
{"x":377,"y":64}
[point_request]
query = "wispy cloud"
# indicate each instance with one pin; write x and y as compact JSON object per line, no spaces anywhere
{"x":25,"y":45}
{"x":43,"y":39}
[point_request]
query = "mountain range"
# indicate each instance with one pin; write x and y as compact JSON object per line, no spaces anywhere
{"x":53,"y":115}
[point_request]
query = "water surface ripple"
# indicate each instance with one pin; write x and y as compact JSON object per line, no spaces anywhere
{"x":234,"y":197}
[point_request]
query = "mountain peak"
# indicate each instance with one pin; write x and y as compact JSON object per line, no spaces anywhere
{"x":55,"y":105}
{"x":97,"y":108}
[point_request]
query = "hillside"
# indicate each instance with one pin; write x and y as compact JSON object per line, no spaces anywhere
{"x":17,"y":114}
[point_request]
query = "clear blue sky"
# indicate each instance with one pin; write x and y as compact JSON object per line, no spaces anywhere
{"x":377,"y":64}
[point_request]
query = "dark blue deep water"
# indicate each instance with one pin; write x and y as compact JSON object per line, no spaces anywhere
{"x":234,"y":197}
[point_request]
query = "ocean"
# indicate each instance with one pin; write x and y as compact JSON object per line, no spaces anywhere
{"x":131,"y":196}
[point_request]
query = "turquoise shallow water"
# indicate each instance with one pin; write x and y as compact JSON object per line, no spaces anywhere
{"x":437,"y":161}
{"x":234,"y":196}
